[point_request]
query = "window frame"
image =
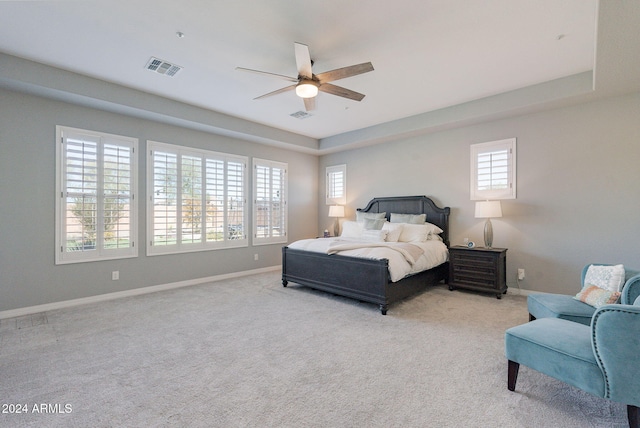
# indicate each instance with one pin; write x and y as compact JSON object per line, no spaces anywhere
{"x":494,"y":147}
{"x":332,"y":198}
{"x":202,"y":244}
{"x":284,"y":188}
{"x":101,"y":139}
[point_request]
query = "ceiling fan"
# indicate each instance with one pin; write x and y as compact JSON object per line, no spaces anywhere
{"x":308,"y":84}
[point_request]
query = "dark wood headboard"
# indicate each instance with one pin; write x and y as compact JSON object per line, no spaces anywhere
{"x":412,"y":205}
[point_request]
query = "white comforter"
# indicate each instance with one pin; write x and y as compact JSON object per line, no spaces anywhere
{"x":403,"y":261}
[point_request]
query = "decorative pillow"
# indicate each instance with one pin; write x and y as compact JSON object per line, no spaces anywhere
{"x":413,"y":233}
{"x":433,"y":229}
{"x":408,"y":218}
{"x":352,"y":229}
{"x":371,"y":224}
{"x":360,"y":216}
{"x":393,"y":231}
{"x":433,"y":237}
{"x":596,"y":296}
{"x":608,"y":277}
{"x":374,"y":235}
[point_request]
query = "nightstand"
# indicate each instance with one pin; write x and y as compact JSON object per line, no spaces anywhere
{"x":478,"y":269}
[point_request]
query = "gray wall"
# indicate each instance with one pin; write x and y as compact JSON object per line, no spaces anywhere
{"x":28,"y":275}
{"x":578,"y":195}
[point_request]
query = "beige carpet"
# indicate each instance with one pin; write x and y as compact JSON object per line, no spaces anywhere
{"x":249,"y":353}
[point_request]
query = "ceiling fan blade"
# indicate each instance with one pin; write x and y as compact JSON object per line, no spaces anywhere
{"x":303,"y":60}
{"x":278,"y":91}
{"x":341,"y":73}
{"x":309,"y":103}
{"x":341,"y":92}
{"x":266,"y":73}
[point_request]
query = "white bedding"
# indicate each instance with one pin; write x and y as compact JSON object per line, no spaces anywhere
{"x":434,"y":253}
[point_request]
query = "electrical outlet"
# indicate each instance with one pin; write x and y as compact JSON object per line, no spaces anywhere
{"x":256,"y":257}
{"x":520,"y":274}
{"x":115,"y":275}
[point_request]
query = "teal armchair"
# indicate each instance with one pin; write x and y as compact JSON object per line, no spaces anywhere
{"x":548,"y":305}
{"x":602,"y":359}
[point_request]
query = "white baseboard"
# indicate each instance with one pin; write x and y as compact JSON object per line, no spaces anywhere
{"x":11,"y":313}
{"x":520,"y":291}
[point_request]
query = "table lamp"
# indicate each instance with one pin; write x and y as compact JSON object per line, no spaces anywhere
{"x":488,"y":210}
{"x":336,"y":211}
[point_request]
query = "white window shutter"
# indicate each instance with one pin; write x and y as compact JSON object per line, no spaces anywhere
{"x":493,"y":170}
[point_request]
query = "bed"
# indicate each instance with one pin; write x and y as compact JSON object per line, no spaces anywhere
{"x":365,"y":279}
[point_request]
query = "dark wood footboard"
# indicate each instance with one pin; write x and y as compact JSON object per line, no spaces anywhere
{"x":363,"y":279}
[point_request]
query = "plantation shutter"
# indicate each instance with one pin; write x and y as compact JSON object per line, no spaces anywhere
{"x":96,"y":216}
{"x":165,"y":192}
{"x":336,"y":185}
{"x":191,"y":199}
{"x":493,"y":170}
{"x":236,"y":199}
{"x":215,"y":200}
{"x":198,"y":200}
{"x":270,"y":202}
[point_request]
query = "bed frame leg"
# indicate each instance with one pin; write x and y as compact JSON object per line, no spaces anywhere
{"x":284,"y":282}
{"x":383,"y":309}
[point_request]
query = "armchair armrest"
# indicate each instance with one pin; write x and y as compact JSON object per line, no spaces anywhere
{"x":614,"y":336}
{"x":631,"y":290}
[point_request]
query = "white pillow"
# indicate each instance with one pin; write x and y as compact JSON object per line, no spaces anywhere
{"x":408,"y":218}
{"x":374,"y":235}
{"x":414,"y":233}
{"x":360,"y":216}
{"x":393,"y":231}
{"x":370,"y":224}
{"x":352,"y":229}
{"x":433,"y":229}
{"x":607,"y":277}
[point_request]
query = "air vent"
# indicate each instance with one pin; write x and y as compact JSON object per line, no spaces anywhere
{"x":300,"y":115}
{"x":162,"y":67}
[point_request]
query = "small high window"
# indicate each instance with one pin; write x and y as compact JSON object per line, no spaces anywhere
{"x":336,"y":185}
{"x":493,"y":170}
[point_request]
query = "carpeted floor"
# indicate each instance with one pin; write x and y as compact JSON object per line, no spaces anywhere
{"x":247,"y":352}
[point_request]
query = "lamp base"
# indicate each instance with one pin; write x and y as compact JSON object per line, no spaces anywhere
{"x":488,"y":234}
{"x":336,"y":228}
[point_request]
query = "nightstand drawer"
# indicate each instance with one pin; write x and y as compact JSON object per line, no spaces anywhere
{"x":469,"y":277}
{"x":473,"y":272}
{"x":473,"y":259}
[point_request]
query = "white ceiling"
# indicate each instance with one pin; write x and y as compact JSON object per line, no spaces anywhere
{"x":427,"y":54}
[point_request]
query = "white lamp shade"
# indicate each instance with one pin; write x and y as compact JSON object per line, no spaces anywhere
{"x":336,"y":211}
{"x":488,"y":209}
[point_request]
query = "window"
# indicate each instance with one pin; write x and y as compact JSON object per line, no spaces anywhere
{"x":96,"y":179}
{"x":270,"y":202}
{"x":336,"y":185}
{"x":197,"y":200}
{"x":493,"y":170}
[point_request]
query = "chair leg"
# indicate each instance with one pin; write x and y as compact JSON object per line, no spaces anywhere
{"x":531,"y":317}
{"x":512,"y":375}
{"x":633,"y":414}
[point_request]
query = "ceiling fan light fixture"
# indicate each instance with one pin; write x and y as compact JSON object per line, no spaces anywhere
{"x":307,"y":89}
